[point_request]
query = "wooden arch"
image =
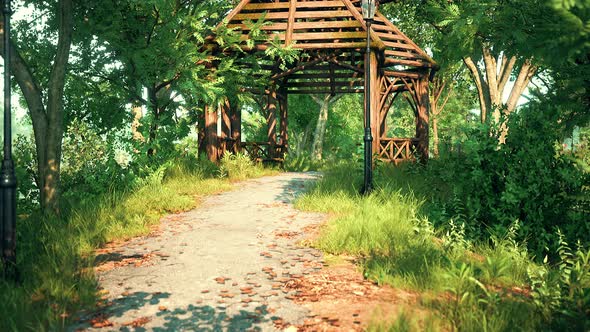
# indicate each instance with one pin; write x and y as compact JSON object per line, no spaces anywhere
{"x":331,"y":35}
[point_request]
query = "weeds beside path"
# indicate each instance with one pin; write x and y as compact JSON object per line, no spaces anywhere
{"x":460,"y":284}
{"x":56,"y":256}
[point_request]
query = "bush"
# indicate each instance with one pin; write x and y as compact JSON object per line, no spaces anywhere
{"x":528,"y":179}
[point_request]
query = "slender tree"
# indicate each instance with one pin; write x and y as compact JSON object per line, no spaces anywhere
{"x":44,"y":98}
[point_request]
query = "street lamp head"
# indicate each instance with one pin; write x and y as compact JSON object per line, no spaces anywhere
{"x":369,"y":8}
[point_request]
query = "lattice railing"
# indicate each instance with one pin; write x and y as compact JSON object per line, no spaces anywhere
{"x":264,"y":151}
{"x":397,"y":150}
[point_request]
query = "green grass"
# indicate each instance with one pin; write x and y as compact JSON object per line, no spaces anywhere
{"x":472,"y":286}
{"x":56,"y":255}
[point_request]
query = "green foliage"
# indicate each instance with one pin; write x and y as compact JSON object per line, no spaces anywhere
{"x":239,"y":166}
{"x":475,"y":285}
{"x":56,"y":255}
{"x":562,"y":294}
{"x":527,"y":179}
{"x":302,"y":162}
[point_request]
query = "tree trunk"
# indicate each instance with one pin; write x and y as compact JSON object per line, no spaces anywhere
{"x":491,"y":82}
{"x":320,"y":128}
{"x":47,"y":120}
{"x":435,"y":140}
{"x":137,"y":112}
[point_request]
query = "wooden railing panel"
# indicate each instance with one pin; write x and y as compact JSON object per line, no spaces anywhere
{"x":397,"y":150}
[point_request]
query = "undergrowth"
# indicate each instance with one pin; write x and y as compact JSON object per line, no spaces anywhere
{"x":56,"y":255}
{"x":474,"y":285}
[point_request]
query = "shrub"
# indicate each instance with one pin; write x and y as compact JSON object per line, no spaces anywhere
{"x":528,"y":179}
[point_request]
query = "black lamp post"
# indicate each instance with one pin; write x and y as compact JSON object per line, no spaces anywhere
{"x":7,"y":175}
{"x":368,"y":9}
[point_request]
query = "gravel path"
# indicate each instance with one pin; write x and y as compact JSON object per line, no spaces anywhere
{"x":222,"y":267}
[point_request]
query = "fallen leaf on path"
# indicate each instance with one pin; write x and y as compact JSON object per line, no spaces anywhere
{"x":138,"y":322}
{"x":100,"y":321}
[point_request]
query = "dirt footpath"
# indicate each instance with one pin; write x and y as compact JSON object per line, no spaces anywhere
{"x":224,"y":266}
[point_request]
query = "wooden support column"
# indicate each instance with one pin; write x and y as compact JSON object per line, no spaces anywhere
{"x":271,"y":120}
{"x":211,"y":138}
{"x":225,"y":127}
{"x":225,"y":119}
{"x":422,"y":118}
{"x":375,"y":100}
{"x":284,"y":115}
{"x":236,"y":125}
{"x":202,"y":129}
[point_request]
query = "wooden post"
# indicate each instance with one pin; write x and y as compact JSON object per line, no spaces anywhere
{"x":225,"y":119}
{"x":236,"y":125}
{"x":225,"y":127}
{"x":202,"y":129}
{"x":211,"y":138}
{"x":271,"y":120}
{"x":375,"y":101}
{"x":422,"y":130}
{"x":284,"y":115}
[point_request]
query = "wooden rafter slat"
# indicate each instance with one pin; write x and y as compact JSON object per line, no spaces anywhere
{"x":397,"y":31}
{"x":404,"y":54}
{"x":302,"y":66}
{"x":256,"y":16}
{"x":235,"y":11}
{"x":327,"y":25}
{"x":398,"y":45}
{"x":352,"y":76}
{"x":324,"y":92}
{"x":320,"y":4}
{"x":390,"y":37}
{"x":328,"y":35}
{"x":359,"y":17}
{"x":397,"y":73}
{"x":323,"y":14}
{"x":274,"y":26}
{"x":350,"y":67}
{"x":291,"y":22}
{"x":394,"y":61}
{"x":329,"y":45}
{"x":325,"y":84}
{"x":266,"y":6}
{"x":298,"y":14}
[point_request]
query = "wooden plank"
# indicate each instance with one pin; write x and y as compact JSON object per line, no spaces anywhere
{"x":396,"y":73}
{"x":397,"y":31}
{"x":320,"y":4}
{"x":291,"y":22}
{"x":355,"y":76}
{"x":394,"y":61}
{"x":266,"y":6}
{"x":292,"y":84}
{"x":257,"y":16}
{"x":390,"y":37}
{"x":357,"y":15}
{"x":323,"y":14}
{"x":329,"y":45}
{"x":399,"y":45}
{"x":270,"y":36}
{"x":403,"y":54}
{"x":327,"y":25}
{"x":328,"y":35}
{"x":323,"y":92}
{"x":234,"y":12}
{"x":274,"y":26}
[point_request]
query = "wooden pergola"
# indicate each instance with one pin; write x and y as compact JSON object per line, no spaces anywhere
{"x":331,"y":35}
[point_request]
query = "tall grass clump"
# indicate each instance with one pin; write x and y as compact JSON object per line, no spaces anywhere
{"x":56,"y":255}
{"x":237,"y":167}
